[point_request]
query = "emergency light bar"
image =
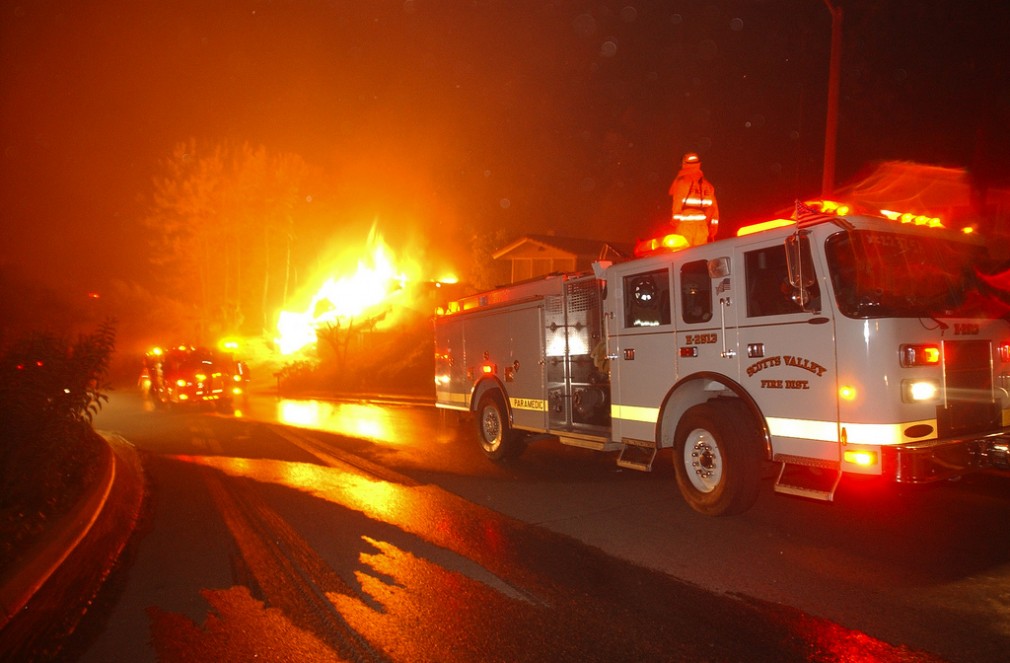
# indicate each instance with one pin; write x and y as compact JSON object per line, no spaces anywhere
{"x":916,"y":219}
{"x":829,"y":207}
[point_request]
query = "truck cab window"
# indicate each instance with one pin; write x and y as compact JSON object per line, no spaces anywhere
{"x":878,"y":274}
{"x":647,"y":299}
{"x":695,"y":292}
{"x":768,"y":288}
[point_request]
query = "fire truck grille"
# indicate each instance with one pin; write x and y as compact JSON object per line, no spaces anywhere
{"x":970,"y":404}
{"x":582,"y":296}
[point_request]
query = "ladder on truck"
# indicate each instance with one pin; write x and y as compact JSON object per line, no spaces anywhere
{"x":807,"y":477}
{"x":637,"y":454}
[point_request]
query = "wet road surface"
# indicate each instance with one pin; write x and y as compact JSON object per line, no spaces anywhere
{"x":403,"y":543}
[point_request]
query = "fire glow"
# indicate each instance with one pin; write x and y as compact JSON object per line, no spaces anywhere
{"x":368,"y":291}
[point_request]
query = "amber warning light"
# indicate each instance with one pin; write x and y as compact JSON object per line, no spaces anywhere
{"x":671,"y":242}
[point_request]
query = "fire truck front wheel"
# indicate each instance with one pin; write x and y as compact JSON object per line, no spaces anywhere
{"x":717,"y":458}
{"x":495,"y":434}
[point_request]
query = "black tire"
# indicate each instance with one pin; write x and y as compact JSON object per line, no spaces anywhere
{"x":717,"y":457}
{"x":494,"y":432}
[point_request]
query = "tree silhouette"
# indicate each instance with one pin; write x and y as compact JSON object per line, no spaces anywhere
{"x":223,"y":220}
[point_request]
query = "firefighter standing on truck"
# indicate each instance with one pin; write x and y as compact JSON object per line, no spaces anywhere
{"x":695,"y":210}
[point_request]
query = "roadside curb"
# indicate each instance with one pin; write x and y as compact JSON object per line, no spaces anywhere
{"x":45,"y":558}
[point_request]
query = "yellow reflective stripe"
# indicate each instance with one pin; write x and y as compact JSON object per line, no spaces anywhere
{"x":454,"y":397}
{"x":535,"y":404}
{"x":634,"y":413}
{"x":827,"y":431}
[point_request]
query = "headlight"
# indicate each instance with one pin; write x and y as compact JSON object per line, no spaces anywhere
{"x":920,"y":391}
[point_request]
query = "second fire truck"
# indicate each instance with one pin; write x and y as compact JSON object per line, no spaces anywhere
{"x":842,"y":344}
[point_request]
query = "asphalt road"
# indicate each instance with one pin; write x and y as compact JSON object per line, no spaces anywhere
{"x":361,"y":531}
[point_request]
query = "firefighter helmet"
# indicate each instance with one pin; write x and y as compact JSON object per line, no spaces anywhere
{"x":691,"y":158}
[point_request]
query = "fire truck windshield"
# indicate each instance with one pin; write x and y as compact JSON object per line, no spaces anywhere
{"x":880,"y":274}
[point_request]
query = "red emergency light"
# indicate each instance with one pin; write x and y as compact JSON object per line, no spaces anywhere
{"x":921,"y":354}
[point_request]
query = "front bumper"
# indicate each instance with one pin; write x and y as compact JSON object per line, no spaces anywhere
{"x":936,"y":460}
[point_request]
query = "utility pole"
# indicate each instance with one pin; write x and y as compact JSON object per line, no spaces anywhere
{"x":831,"y":125}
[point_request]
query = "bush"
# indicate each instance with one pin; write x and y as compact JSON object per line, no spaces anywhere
{"x":50,"y":389}
{"x":47,"y":380}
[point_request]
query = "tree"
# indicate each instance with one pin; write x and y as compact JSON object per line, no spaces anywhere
{"x":484,"y":271}
{"x":222,"y":220}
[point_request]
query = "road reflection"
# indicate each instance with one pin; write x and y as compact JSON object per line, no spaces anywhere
{"x":375,"y":498}
{"x":436,"y":518}
{"x":364,"y":420}
{"x":417,"y":584}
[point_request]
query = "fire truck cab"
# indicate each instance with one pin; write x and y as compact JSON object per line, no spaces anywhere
{"x":844,"y":345}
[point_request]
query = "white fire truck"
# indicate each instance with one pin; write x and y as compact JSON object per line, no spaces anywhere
{"x":840,"y":344}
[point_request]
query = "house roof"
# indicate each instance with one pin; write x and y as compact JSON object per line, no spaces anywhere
{"x":551,"y":246}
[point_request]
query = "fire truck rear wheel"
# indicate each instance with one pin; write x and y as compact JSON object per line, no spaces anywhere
{"x":495,"y":434}
{"x":717,"y":458}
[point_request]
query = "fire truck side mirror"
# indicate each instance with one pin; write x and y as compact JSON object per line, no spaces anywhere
{"x":798,"y":263}
{"x":799,"y":266}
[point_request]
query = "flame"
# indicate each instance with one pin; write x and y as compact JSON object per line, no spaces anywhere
{"x":369,"y":291}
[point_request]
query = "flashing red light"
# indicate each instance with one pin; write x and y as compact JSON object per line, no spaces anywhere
{"x":862,"y":458}
{"x":919,"y":355}
{"x":1004,"y":352}
{"x":488,"y":369}
{"x":831,"y":207}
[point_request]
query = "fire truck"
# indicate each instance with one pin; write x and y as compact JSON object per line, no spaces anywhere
{"x":186,"y":375}
{"x":842,"y":343}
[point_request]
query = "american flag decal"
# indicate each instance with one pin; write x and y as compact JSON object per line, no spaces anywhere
{"x":723,"y":286}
